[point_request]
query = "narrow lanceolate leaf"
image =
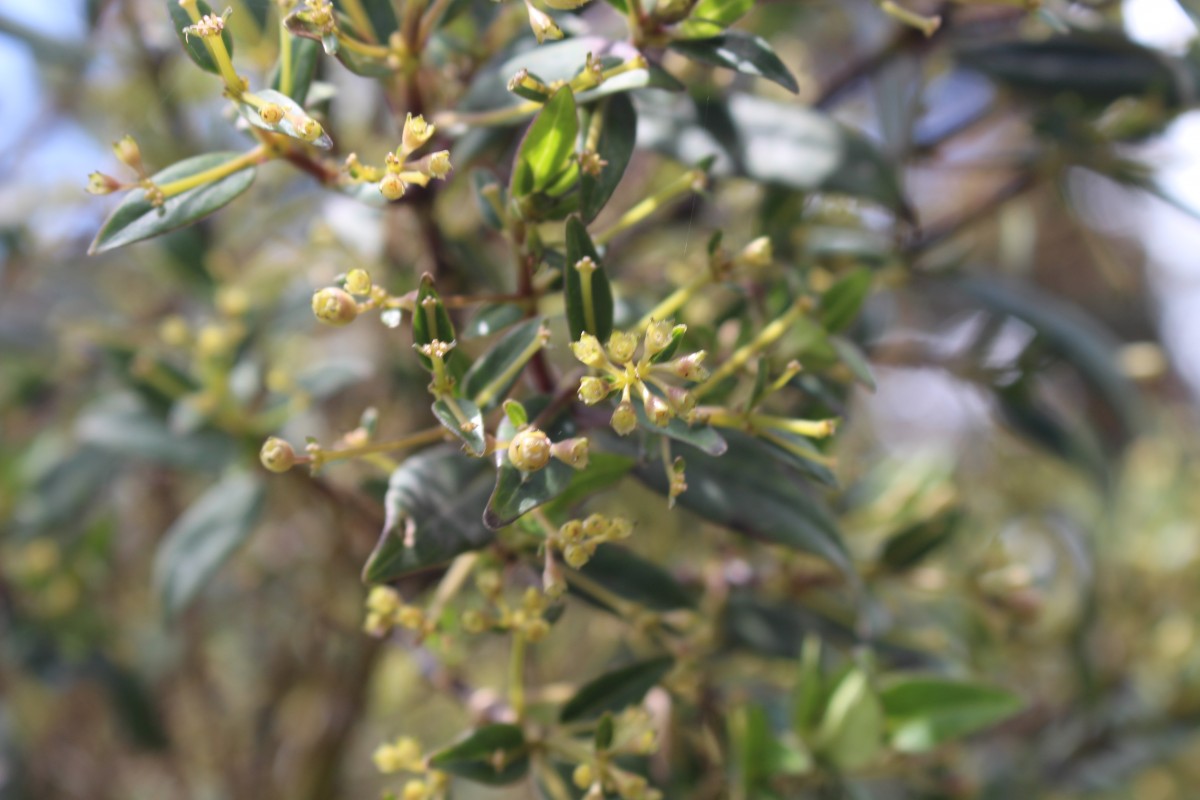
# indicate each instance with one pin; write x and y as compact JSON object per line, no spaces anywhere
{"x":434,"y":503}
{"x":289,"y":125}
{"x":741,"y":52}
{"x":703,"y":437}
{"x":548,"y":145}
{"x":925,"y":712}
{"x":194,"y":45}
{"x":586,"y":291}
{"x":492,"y":376}
{"x":909,"y":546}
{"x":628,"y":575}
{"x":136,"y":218}
{"x":615,"y":690}
{"x":494,"y":754}
{"x":199,"y":542}
{"x":430,"y":321}
{"x":463,"y":419}
{"x":841,"y":303}
{"x":734,"y":490}
{"x":615,"y":147}
{"x":850,"y":735}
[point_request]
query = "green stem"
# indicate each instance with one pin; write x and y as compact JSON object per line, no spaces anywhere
{"x":248,"y":159}
{"x":766,"y":337}
{"x":429,"y":436}
{"x":516,"y":675}
{"x":653,"y":203}
{"x":285,"y":61}
{"x":674,"y":302}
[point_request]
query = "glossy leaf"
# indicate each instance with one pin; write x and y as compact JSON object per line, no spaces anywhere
{"x":381,"y":17}
{"x":851,"y":731}
{"x":908,"y":547}
{"x":615,"y":690}
{"x":434,"y":503}
{"x":548,"y":145}
{"x":293,"y":115}
{"x":924,"y":712}
{"x":705,"y":438}
{"x":840,"y":304}
{"x":204,"y":536}
{"x":516,"y":493}
{"x":774,"y":144}
{"x":735,"y":491}
{"x":491,"y":319}
{"x":494,"y":755}
{"x":123,"y":424}
{"x":589,"y":305}
{"x":634,"y":578}
{"x":741,"y":52}
{"x":136,"y":218}
{"x":603,"y":470}
{"x":430,"y":320}
{"x":618,"y":133}
{"x":497,"y":370}
{"x":466,"y":424}
{"x":194,"y":45}
{"x":849,"y":354}
{"x":366,"y":64}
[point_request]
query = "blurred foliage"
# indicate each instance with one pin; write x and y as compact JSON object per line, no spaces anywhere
{"x":984,"y":586}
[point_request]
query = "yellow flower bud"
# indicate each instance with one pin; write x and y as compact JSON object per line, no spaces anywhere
{"x":537,"y":629}
{"x":473,"y":621}
{"x":415,"y":790}
{"x":101,"y":184}
{"x":384,"y":600}
{"x":232,"y":301}
{"x":309,"y":129}
{"x":658,"y":336}
{"x":277,"y":455}
{"x":588,"y":350}
{"x":410,"y":617}
{"x":271,"y":114}
{"x":681,"y":400}
{"x":583,"y":776}
{"x":529,"y":450}
{"x":595,"y":525}
{"x":621,"y":347}
{"x":386,"y":759}
{"x":689,"y":367}
{"x":543,"y":24}
{"x":391,"y":187}
{"x":416,"y":132}
{"x":439,"y":164}
{"x":624,"y":419}
{"x":576,"y":555}
{"x":593,"y":390}
{"x":620,"y":528}
{"x":174,"y":331}
{"x":656,"y":409}
{"x":571,"y":451}
{"x":358,"y":281}
{"x":757,"y":253}
{"x":334,"y":307}
{"x":571,"y":530}
{"x":128,"y":153}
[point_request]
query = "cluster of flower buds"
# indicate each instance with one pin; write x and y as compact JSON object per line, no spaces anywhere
{"x":128,"y":153}
{"x":398,"y":171}
{"x":404,"y":755}
{"x":528,"y":618}
{"x":386,"y":609}
{"x":603,"y":778}
{"x":578,"y":539}
{"x":621,"y":372}
{"x":531,"y":449}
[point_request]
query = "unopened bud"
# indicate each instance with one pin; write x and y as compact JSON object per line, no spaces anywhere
{"x":474,"y":621}
{"x":415,"y":790}
{"x":391,"y":187}
{"x":624,"y":419}
{"x":543,"y":24}
{"x":334,"y":307}
{"x":656,"y":409}
{"x":529,"y":450}
{"x":99,"y":183}
{"x":620,"y":528}
{"x":411,"y":617}
{"x":583,"y":776}
{"x":128,"y":153}
{"x":658,"y":335}
{"x":681,"y":400}
{"x":277,"y":455}
{"x":309,"y":129}
{"x":571,"y":530}
{"x":576,"y":555}
{"x":537,"y":629}
{"x":384,"y":600}
{"x":571,"y":451}
{"x":593,"y":390}
{"x":588,"y":350}
{"x":689,"y":367}
{"x":595,"y":525}
{"x":439,"y":164}
{"x":757,"y":253}
{"x":621,"y":346}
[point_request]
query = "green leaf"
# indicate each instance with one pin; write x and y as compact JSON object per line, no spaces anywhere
{"x":1072,"y":336}
{"x":367,"y":65}
{"x":854,"y":358}
{"x":494,"y":755}
{"x":704,"y":438}
{"x":124,"y":424}
{"x":293,"y":114}
{"x":434,"y":503}
{"x":589,"y":302}
{"x":469,"y":429}
{"x":628,"y":575}
{"x":774,"y":144}
{"x":194,"y":45}
{"x":851,"y":731}
{"x":304,"y":56}
{"x":798,"y":452}
{"x":741,"y":52}
{"x":841,"y":302}
{"x":491,"y":319}
{"x":517,"y":493}
{"x":615,"y":690}
{"x":710,"y":17}
{"x":136,"y":218}
{"x":604,"y":732}
{"x":61,"y":490}
{"x":518,"y":417}
{"x":381,"y":16}
{"x":1099,"y":69}
{"x":615,"y":146}
{"x":204,"y":536}
{"x":430,"y":320}
{"x":548,"y":145}
{"x":481,"y":179}
{"x":924,"y":712}
{"x":735,"y":491}
{"x":603,"y":470}
{"x":910,"y":546}
{"x":492,"y":376}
